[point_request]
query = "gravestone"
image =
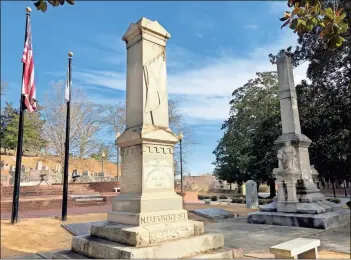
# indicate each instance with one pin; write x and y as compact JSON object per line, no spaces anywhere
{"x":39,"y":166}
{"x":214,"y":213}
{"x":4,"y":178}
{"x":58,"y":168}
{"x":80,"y":229}
{"x":147,"y":218}
{"x":34,"y":175}
{"x":251,"y":195}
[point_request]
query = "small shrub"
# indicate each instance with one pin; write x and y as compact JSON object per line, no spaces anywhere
{"x":238,"y":200}
{"x":214,"y":198}
{"x":223,"y":197}
{"x":206,"y":197}
{"x":349,"y":204}
{"x":200,"y":197}
{"x":334,"y":200}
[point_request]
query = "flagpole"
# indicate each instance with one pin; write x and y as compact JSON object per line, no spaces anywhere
{"x":65,"y":170}
{"x":18,"y":169}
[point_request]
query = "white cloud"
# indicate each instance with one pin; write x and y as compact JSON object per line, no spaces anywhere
{"x":204,"y":85}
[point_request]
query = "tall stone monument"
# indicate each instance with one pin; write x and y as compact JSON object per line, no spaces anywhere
{"x":299,"y":202}
{"x":147,"y":218}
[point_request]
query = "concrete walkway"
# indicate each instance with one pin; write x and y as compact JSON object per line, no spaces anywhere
{"x":258,"y":238}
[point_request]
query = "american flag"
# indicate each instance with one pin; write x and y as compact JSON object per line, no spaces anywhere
{"x":28,"y":84}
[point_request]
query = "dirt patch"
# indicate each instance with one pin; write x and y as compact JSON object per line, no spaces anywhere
{"x":39,"y":235}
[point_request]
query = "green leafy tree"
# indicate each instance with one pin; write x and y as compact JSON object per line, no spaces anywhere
{"x":42,"y":5}
{"x":8,"y":114}
{"x":245,"y":152}
{"x":32,"y":131}
{"x":330,"y":18}
{"x":325,"y":115}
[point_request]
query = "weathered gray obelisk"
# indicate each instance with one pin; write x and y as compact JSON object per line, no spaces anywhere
{"x":147,"y":218}
{"x":307,"y":190}
{"x":298,"y":196}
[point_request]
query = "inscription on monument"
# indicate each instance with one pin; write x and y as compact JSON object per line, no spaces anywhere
{"x":162,"y":218}
{"x":158,"y":173}
{"x":131,"y":180}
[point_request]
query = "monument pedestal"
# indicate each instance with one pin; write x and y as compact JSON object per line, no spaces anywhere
{"x":181,"y":239}
{"x":327,"y":220}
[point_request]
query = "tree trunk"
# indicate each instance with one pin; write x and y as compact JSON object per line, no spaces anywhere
{"x":333,"y":189}
{"x":272,"y":191}
{"x":239,"y":188}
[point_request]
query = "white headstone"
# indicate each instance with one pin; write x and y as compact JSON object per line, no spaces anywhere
{"x":251,"y":195}
{"x":39,"y":166}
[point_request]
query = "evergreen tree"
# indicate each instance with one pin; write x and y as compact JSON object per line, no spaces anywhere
{"x":32,"y":130}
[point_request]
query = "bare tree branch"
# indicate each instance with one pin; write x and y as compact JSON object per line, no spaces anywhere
{"x":84,"y":121}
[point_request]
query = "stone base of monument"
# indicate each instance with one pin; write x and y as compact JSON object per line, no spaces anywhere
{"x":181,"y":239}
{"x":316,"y":207}
{"x":326,"y":220}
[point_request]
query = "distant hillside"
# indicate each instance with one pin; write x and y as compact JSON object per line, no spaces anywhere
{"x":92,"y":165}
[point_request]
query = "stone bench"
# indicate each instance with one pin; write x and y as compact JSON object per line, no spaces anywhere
{"x":227,"y":201}
{"x":85,"y":196}
{"x":300,"y":248}
{"x":88,"y":197}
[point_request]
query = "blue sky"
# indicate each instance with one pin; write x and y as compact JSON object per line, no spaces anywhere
{"x":215,"y":48}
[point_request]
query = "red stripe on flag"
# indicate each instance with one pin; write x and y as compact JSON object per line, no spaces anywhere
{"x":28,"y":84}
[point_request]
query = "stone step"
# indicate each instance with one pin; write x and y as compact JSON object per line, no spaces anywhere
{"x":68,"y":254}
{"x":103,"y":249}
{"x":222,"y":253}
{"x":147,"y":235}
